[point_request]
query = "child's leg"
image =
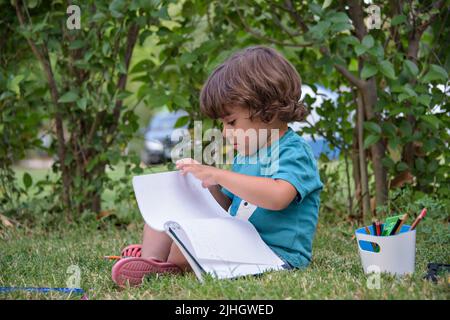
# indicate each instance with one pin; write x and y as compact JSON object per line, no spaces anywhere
{"x":155,"y":244}
{"x":176,"y":257}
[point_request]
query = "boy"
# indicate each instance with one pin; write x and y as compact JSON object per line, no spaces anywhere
{"x":274,"y":181}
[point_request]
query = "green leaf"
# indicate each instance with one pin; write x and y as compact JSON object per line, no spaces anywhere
{"x":13,"y":85}
{"x":68,"y":97}
{"x":435,"y":73}
{"x":368,"y":71}
{"x":339,"y":27}
{"x":388,"y":162}
{"x":372,"y":127}
{"x":420,"y":164}
{"x":370,"y":140}
{"x":27,"y":180}
{"x":424,"y":99}
{"x":360,"y":49}
{"x":116,"y":8}
{"x":377,"y":51}
{"x":123,"y":95}
{"x":411,"y":68}
{"x":32,"y":3}
{"x":387,"y":69}
{"x":188,"y":58}
{"x":182,"y":121}
{"x":320,"y":30}
{"x":432,"y":119}
{"x":401,"y":166}
{"x":432,"y":166}
{"x":157,"y":100}
{"x":81,"y":103}
{"x":368,"y":41}
{"x":339,"y":17}
{"x":6,"y":95}
{"x":77,"y":44}
{"x":407,"y":89}
{"x":142,"y":66}
{"x":106,"y":49}
{"x":405,"y":128}
{"x":181,"y":101}
{"x":399,"y":19}
{"x":389,"y":129}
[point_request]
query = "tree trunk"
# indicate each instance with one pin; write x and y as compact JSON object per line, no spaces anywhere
{"x":365,"y":194}
{"x":356,"y":169}
{"x":378,"y":150}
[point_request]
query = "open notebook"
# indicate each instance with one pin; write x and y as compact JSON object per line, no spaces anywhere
{"x":210,"y":238}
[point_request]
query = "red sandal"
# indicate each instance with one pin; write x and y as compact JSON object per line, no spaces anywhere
{"x":134,"y":270}
{"x":133,"y":250}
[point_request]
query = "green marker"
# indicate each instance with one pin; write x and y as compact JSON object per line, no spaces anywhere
{"x":390,"y":224}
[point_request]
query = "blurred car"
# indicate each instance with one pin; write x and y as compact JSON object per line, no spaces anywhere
{"x":161,"y":136}
{"x":318,"y":143}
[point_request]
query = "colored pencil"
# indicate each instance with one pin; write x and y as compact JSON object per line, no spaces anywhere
{"x":399,"y":224}
{"x":377,"y":224}
{"x":112,"y":257}
{"x":418,"y":219}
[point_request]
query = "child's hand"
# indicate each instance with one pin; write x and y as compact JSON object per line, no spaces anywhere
{"x":186,"y":161}
{"x":206,"y":174}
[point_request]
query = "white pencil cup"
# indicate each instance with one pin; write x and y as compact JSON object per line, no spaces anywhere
{"x":396,"y":254}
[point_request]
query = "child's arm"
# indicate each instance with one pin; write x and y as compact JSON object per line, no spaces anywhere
{"x":220,"y":197}
{"x":263,"y":192}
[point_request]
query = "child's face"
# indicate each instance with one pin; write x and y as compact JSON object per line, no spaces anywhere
{"x":246,"y":136}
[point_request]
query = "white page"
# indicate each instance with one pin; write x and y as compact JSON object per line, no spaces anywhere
{"x":218,"y":268}
{"x":170,"y":196}
{"x":224,"y":269}
{"x":228,"y":239}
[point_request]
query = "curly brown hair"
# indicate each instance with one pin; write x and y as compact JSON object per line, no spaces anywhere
{"x":258,"y":78}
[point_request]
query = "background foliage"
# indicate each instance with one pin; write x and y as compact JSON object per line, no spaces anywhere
{"x":91,"y":89}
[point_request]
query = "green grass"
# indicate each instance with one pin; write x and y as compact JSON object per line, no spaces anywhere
{"x":41,"y":258}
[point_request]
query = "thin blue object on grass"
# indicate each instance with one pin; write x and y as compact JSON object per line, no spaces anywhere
{"x":44,"y":290}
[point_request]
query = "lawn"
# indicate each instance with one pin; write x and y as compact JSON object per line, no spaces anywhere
{"x":39,"y":257}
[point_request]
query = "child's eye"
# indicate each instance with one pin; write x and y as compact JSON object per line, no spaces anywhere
{"x":231,"y":123}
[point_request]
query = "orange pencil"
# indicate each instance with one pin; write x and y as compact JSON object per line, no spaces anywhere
{"x":112,"y":257}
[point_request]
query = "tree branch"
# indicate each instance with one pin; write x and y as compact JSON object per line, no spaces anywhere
{"x":132,"y":36}
{"x":262,"y":37}
{"x":294,"y":14}
{"x":44,"y":59}
{"x":356,"y":13}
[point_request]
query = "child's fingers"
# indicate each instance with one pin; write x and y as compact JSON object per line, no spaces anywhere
{"x":186,"y":161}
{"x":185,"y":168}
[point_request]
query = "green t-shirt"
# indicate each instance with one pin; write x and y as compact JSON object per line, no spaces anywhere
{"x":288,"y":232}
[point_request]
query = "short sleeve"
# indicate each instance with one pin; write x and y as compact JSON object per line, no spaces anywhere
{"x":227,"y":193}
{"x":297,"y":165}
